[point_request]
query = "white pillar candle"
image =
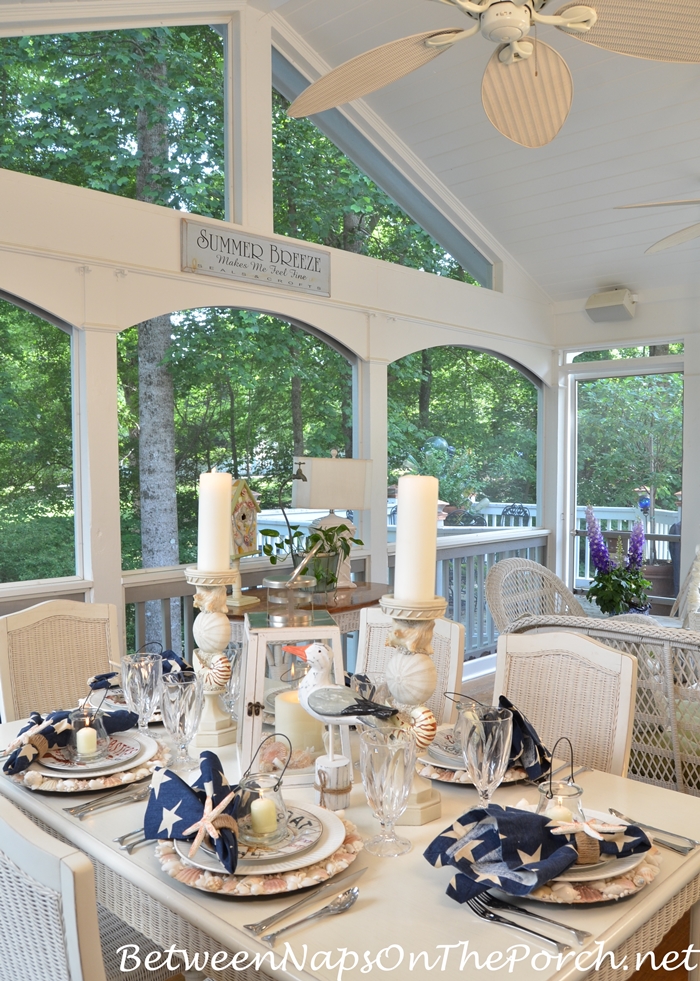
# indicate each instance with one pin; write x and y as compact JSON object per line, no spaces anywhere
{"x":416,"y":539}
{"x":214,"y":528}
{"x":263,"y":816}
{"x":86,"y":741}
{"x":558,"y":812}
{"x":294,"y":722}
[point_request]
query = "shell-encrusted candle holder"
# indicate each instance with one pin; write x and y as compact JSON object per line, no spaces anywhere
{"x":212,"y":633}
{"x":411,"y":678}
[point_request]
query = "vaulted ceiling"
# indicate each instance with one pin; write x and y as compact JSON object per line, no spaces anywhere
{"x":633,"y":135}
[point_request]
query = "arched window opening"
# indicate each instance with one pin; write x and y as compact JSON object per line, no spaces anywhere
{"x":470,"y":419}
{"x":37,"y":526}
{"x":232,"y":389}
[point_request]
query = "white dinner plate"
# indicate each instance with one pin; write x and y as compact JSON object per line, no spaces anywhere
{"x":601,"y":870}
{"x":332,"y":837}
{"x":122,"y":749}
{"x":149,"y":747}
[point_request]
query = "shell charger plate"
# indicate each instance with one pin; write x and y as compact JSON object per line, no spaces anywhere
{"x":605,"y":888}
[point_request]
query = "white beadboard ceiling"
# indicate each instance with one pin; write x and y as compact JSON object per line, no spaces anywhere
{"x":633,"y":135}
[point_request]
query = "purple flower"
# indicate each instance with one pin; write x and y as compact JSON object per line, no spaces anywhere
{"x":600,"y":556}
{"x":635,"y":553}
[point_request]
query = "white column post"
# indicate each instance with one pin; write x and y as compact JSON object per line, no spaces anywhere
{"x":370,"y":442}
{"x":690,"y":530}
{"x":248,"y":120}
{"x":554,"y":486}
{"x":96,"y":465}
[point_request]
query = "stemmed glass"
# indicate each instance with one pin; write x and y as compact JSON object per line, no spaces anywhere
{"x":387,"y":764}
{"x":485,"y":735}
{"x":233,"y":685}
{"x":181,"y":704}
{"x":142,"y":676}
{"x":371,"y":686}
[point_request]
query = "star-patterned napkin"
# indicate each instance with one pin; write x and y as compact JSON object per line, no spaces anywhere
{"x":171,"y":662}
{"x":526,"y":749}
{"x":513,"y":850}
{"x":208,"y":807}
{"x":41,"y":734}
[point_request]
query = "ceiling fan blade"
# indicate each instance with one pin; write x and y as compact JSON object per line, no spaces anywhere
{"x":528,"y":101}
{"x":371,"y":71}
{"x":657,"y":204}
{"x":660,"y":30}
{"x":685,"y":235}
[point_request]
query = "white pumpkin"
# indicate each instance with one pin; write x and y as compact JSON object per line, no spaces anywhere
{"x":411,"y":678}
{"x":212,"y":632}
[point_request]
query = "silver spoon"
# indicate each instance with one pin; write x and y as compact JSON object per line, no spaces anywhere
{"x":338,"y":904}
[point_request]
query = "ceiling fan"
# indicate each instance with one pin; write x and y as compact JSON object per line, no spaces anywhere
{"x":527,"y":89}
{"x":677,"y":238}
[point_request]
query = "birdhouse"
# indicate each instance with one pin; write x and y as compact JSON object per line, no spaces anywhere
{"x":244,"y":520}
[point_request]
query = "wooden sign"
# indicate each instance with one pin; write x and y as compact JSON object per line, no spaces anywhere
{"x":211,"y":250}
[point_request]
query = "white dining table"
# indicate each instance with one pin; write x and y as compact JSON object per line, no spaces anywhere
{"x":403,"y":924}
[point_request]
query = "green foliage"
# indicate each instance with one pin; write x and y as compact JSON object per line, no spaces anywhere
{"x":618,"y":590}
{"x":70,"y":105}
{"x":630,"y":434}
{"x":321,"y":196}
{"x":482,"y":407}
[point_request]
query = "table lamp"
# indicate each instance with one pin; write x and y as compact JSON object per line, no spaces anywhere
{"x":336,"y":483}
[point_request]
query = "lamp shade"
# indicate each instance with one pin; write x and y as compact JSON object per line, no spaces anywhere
{"x":333,"y":483}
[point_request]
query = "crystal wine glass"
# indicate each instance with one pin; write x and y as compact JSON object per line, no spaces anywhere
{"x":233,"y":685}
{"x":485,"y":737}
{"x":142,"y":676}
{"x":372,"y":686}
{"x":182,"y":703}
{"x":387,"y":764}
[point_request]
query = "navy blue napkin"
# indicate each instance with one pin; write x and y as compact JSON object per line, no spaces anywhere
{"x":171,"y":662}
{"x":55,"y":731}
{"x":513,"y":850}
{"x":526,"y":749}
{"x":174,"y":808}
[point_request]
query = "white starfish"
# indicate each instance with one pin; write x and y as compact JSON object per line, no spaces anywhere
{"x":205,"y":825}
{"x":591,"y":828}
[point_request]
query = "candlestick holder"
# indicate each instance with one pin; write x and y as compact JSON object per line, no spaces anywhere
{"x":212,"y":633}
{"x":411,"y":678}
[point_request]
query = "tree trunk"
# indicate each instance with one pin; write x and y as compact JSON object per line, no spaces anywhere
{"x":426,"y":383}
{"x":297,"y":421}
{"x":158,"y":488}
{"x":659,"y":350}
{"x":346,"y":414}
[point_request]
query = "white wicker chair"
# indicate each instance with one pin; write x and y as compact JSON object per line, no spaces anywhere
{"x":50,"y":924}
{"x":570,"y":685}
{"x":666,"y":734}
{"x":521,"y":587}
{"x":448,"y":656}
{"x":48,"y":652}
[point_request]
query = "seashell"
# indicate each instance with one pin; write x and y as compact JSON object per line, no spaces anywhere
{"x":646,"y":872}
{"x":653,"y":857}
{"x":564,"y":892}
{"x":274,"y":884}
{"x":32,"y":779}
{"x":217,"y":674}
{"x":411,"y":678}
{"x":212,"y":883}
{"x":542,"y":892}
{"x":212,"y":632}
{"x":588,"y":893}
{"x":617,"y":887}
{"x":232,"y":884}
{"x":423,"y":726}
{"x":188,"y":876}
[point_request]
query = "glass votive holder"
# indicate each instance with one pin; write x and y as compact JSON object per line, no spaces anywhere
{"x":88,"y":740}
{"x":561,"y":801}
{"x":262,"y":813}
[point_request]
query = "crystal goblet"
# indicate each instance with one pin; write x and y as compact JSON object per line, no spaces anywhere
{"x":142,"y":676}
{"x":485,"y":737}
{"x":182,"y":704}
{"x":233,"y":685}
{"x":387,"y":764}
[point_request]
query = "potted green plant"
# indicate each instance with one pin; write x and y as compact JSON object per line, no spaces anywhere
{"x":335,"y":547}
{"x":618,"y":585}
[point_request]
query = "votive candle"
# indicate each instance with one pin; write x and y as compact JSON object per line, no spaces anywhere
{"x":263,"y":816}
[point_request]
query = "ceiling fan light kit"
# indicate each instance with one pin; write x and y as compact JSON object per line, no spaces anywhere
{"x":611,"y":306}
{"x":530,"y":107}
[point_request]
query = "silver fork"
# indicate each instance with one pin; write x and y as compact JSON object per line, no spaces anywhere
{"x":493,"y":902}
{"x":487,"y":914}
{"x":106,"y":800}
{"x":100,"y":805}
{"x":132,"y":839}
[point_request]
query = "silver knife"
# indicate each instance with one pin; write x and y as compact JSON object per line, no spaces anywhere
{"x":683,"y":849}
{"x":336,"y":884}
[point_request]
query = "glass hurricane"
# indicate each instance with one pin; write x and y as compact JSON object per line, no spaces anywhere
{"x":387,"y":764}
{"x":182,"y":703}
{"x":142,"y":677}
{"x":485,"y":736}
